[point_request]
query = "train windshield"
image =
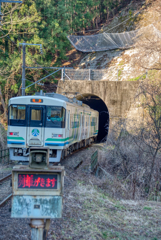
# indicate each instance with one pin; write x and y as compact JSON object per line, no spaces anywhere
{"x":55,"y":117}
{"x":17,"y":114}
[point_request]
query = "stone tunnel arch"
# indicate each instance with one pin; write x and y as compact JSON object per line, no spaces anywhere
{"x":98,"y":104}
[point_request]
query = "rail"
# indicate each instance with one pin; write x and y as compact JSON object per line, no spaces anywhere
{"x":5,"y":200}
{"x":3,"y":197}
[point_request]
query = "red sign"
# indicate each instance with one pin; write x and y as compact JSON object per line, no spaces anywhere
{"x":37,"y":181}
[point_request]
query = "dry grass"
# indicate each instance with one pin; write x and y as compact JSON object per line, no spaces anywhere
{"x":104,"y":218}
{"x":92,"y":215}
{"x":94,"y":210}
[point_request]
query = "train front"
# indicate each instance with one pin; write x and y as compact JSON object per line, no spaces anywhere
{"x":36,"y":121}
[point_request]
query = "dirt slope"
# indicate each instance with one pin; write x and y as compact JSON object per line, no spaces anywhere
{"x":125,"y":65}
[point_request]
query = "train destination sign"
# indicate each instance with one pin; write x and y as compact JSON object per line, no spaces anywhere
{"x":37,"y":181}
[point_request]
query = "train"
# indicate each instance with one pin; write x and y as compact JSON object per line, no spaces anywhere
{"x":49,"y":120}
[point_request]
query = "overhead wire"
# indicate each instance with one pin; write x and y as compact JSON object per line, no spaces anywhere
{"x":7,"y":35}
{"x":19,"y":48}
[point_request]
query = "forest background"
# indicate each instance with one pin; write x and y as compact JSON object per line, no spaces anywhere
{"x":46,"y":22}
{"x":133,"y":156}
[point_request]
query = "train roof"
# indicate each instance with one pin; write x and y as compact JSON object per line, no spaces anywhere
{"x":58,"y":97}
{"x":62,"y":97}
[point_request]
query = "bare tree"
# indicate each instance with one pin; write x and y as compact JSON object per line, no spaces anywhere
{"x":150,"y":132}
{"x":135,"y":148}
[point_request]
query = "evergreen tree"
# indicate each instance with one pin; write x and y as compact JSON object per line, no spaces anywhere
{"x":46,"y":22}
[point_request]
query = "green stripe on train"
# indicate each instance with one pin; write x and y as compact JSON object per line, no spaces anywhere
{"x":58,"y":140}
{"x":16,"y":138}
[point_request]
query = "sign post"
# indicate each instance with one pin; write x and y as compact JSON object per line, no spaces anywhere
{"x":37,"y":192}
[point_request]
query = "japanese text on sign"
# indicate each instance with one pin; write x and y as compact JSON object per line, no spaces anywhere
{"x":37,"y":181}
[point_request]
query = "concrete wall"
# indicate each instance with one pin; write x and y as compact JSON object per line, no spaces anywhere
{"x":119,"y":97}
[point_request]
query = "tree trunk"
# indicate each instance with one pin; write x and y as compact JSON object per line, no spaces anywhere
{"x":3,"y":104}
{"x":152,"y":170}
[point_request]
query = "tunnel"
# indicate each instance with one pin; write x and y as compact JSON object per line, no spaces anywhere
{"x":98,"y":104}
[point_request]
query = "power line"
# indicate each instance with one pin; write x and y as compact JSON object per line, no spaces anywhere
{"x":19,"y":48}
{"x":7,"y":1}
{"x":44,"y":68}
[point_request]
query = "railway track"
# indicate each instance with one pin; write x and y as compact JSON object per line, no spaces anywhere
{"x":5,"y":189}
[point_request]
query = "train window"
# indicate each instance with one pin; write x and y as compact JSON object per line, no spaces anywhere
{"x":17,"y":115}
{"x":17,"y":112}
{"x":74,"y":121}
{"x":36,"y":114}
{"x":55,"y":117}
{"x":93,"y":122}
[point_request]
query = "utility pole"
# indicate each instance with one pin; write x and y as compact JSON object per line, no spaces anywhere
{"x":8,"y":1}
{"x":23,"y":63}
{"x":23,"y":68}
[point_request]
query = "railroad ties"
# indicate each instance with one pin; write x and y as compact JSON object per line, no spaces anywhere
{"x":3,"y":182}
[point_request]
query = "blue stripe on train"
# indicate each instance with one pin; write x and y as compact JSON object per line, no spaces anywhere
{"x":15,"y":142}
{"x":56,"y":144}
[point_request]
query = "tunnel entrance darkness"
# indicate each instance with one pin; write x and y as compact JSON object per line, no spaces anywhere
{"x":98,"y":104}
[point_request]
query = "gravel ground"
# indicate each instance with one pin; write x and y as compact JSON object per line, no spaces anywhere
{"x":5,"y":189}
{"x":13,"y":229}
{"x":18,"y":228}
{"x":89,"y":213}
{"x":5,"y":169}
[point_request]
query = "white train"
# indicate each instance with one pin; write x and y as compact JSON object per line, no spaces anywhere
{"x":49,"y":120}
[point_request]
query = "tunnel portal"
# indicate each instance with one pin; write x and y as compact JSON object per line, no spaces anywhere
{"x":98,"y":104}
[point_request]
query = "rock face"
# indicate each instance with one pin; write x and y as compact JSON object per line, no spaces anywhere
{"x":119,"y":97}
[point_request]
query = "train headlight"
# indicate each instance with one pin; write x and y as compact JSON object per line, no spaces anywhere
{"x":14,"y":133}
{"x":57,"y":135}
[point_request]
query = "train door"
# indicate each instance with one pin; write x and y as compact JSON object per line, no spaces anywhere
{"x":35,"y":129}
{"x":88,"y":127}
{"x":83,"y":126}
{"x":68,"y":126}
{"x":80,"y":127}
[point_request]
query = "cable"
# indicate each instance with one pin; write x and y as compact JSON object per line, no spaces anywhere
{"x":112,"y":27}
{"x":123,"y":21}
{"x":19,"y":48}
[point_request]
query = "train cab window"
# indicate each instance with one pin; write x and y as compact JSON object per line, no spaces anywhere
{"x":55,"y":117}
{"x":17,"y":114}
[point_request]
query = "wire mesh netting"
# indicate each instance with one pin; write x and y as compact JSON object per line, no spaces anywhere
{"x":84,"y":74}
{"x":103,"y":41}
{"x":108,"y":41}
